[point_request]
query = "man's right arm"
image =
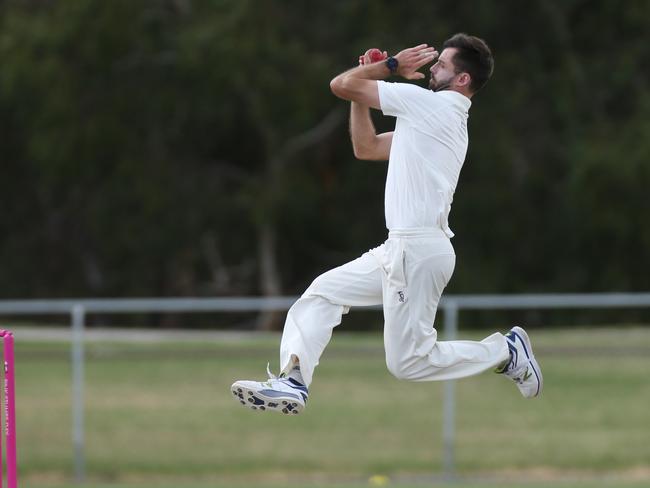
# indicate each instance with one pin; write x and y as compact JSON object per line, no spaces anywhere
{"x":366,"y":143}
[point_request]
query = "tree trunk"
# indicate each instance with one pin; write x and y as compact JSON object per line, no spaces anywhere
{"x":270,"y":278}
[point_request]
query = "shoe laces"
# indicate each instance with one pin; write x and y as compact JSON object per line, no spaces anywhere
{"x":268,"y":372}
{"x":271,"y":375}
{"x":269,"y":382}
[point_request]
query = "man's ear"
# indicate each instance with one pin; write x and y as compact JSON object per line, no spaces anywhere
{"x":464,"y":79}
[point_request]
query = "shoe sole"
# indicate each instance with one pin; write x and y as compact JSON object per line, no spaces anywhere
{"x":258,"y":401}
{"x":528,"y":349}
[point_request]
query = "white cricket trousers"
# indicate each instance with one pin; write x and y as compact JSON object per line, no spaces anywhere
{"x":406,"y":274}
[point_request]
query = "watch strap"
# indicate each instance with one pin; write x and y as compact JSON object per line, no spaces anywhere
{"x":392,"y":64}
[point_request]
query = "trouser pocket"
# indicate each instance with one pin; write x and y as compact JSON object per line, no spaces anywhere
{"x":394,"y":263}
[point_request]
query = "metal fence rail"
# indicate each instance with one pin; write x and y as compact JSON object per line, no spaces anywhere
{"x":451,"y":305}
{"x":253,"y":304}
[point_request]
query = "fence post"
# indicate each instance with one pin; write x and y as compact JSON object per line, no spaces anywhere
{"x":78,"y":325}
{"x":449,"y":400}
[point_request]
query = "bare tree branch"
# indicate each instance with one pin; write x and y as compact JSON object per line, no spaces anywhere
{"x":310,"y":137}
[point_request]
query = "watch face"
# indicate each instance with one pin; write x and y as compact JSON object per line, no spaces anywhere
{"x":391,"y":63}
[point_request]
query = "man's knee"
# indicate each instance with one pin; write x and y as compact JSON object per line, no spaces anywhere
{"x":321,"y":286}
{"x":311,"y":302}
{"x":397,"y":368}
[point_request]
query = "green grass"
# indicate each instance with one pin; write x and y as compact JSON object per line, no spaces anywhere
{"x":162,"y":414}
{"x":390,"y":484}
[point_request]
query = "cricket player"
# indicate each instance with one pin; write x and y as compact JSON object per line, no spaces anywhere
{"x":409,"y":271}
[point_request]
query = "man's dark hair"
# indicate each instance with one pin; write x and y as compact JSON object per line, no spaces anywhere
{"x":473,"y":56}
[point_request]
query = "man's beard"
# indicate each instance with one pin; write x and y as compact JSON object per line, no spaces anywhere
{"x":436,"y":85}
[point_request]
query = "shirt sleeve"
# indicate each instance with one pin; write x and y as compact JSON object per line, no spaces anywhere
{"x":405,"y":100}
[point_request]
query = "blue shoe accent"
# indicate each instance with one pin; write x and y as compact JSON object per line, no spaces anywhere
{"x":296,"y":384}
{"x":256,"y":401}
{"x":523,"y":343}
{"x":278,"y":394}
{"x":514,"y":356}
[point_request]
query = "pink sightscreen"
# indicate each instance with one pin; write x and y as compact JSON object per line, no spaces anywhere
{"x":9,"y":404}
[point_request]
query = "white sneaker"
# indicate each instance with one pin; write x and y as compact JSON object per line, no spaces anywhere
{"x":522,"y":368}
{"x":282,"y":394}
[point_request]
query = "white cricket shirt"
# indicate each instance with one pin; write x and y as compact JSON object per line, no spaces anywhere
{"x":426,"y":155}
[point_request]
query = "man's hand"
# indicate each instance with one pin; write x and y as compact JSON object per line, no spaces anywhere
{"x":412,"y":59}
{"x":360,"y":84}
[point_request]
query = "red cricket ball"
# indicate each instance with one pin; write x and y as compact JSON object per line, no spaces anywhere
{"x":375,"y":55}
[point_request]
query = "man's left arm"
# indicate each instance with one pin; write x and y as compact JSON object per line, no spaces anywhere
{"x":360,"y":84}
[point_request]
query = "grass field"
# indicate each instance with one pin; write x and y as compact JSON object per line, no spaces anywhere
{"x":161,"y":415}
{"x":390,"y":484}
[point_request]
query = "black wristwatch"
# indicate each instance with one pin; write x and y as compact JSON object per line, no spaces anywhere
{"x":392,"y":64}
